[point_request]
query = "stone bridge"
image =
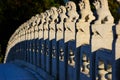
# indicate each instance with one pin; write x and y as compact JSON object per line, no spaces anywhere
{"x":69,"y":44}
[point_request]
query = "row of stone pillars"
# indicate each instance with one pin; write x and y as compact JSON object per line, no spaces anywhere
{"x":68,"y":45}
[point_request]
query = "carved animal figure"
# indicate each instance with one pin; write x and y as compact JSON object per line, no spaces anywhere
{"x":102,"y":10}
{"x":71,"y":8}
{"x":62,"y":12}
{"x":54,"y":14}
{"x":61,"y":17}
{"x":85,"y":11}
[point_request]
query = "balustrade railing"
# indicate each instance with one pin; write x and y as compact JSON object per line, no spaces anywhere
{"x":69,"y":45}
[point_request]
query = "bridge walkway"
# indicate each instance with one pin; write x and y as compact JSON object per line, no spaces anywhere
{"x":11,"y":71}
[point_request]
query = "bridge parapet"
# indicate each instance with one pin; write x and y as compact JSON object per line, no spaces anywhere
{"x":64,"y":44}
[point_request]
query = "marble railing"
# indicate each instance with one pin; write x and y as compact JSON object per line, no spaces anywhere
{"x":70,"y":45}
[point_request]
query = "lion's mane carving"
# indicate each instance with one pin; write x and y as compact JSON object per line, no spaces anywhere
{"x":103,"y":12}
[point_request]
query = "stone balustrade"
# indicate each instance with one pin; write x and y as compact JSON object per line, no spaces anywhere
{"x":64,"y":44}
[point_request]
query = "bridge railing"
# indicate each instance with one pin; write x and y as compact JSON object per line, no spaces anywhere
{"x":70,"y":46}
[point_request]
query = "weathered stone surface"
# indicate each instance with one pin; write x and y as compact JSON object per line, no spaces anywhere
{"x":102,"y":28}
{"x":102,"y":36}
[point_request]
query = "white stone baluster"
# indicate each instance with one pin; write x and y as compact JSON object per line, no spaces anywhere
{"x":83,"y":24}
{"x":69,"y":34}
{"x":42,"y":20}
{"x":61,"y":54}
{"x":52,"y":25}
{"x":71,"y":60}
{"x":85,"y":65}
{"x":46,"y":29}
{"x":101,"y":71}
{"x":37,"y":20}
{"x":70,"y":21}
{"x":102,"y":28}
{"x":60,"y":26}
{"x":52,"y":29}
{"x":109,"y":70}
{"x":45,"y":26}
{"x":60,"y":30}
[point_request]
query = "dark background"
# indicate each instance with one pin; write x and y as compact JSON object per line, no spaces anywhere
{"x":15,"y":12}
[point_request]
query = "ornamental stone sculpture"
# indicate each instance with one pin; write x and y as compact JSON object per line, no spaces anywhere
{"x":60,"y":26}
{"x":60,"y":30}
{"x":40,"y":26}
{"x":102,"y":28}
{"x":103,"y":12}
{"x":70,"y":21}
{"x":52,"y":25}
{"x":37,"y":21}
{"x":83,"y":24}
{"x":45,"y":25}
{"x":85,"y":11}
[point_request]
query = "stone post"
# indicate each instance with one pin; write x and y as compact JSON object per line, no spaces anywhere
{"x":69,"y":40}
{"x":45,"y":38}
{"x":83,"y":40}
{"x":60,"y":41}
{"x":53,"y":56}
{"x":102,"y":38}
{"x":41,"y":44}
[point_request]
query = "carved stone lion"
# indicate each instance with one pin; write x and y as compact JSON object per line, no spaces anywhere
{"x":85,"y":11}
{"x":54,"y":14}
{"x":103,"y":12}
{"x":71,"y":11}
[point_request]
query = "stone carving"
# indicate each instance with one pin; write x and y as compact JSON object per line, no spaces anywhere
{"x":40,"y":26}
{"x":37,"y":20}
{"x":71,"y":59}
{"x":109,"y":72}
{"x":60,"y":30}
{"x":61,"y":54}
{"x":52,"y":25}
{"x":54,"y":14}
{"x":45,"y":25}
{"x":69,"y":34}
{"x":85,"y":67}
{"x":32,"y":32}
{"x":70,"y":21}
{"x":85,"y":11}
{"x":60,"y":26}
{"x":83,"y":24}
{"x":102,"y":29}
{"x":101,"y":71}
{"x":103,"y":13}
{"x":71,"y":8}
{"x":52,"y":29}
{"x":46,"y":30}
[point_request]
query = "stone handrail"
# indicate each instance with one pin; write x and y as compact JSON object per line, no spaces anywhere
{"x":82,"y":44}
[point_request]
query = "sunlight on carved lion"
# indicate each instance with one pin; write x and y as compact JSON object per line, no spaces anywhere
{"x":104,"y":15}
{"x":85,"y":11}
{"x":71,"y":11}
